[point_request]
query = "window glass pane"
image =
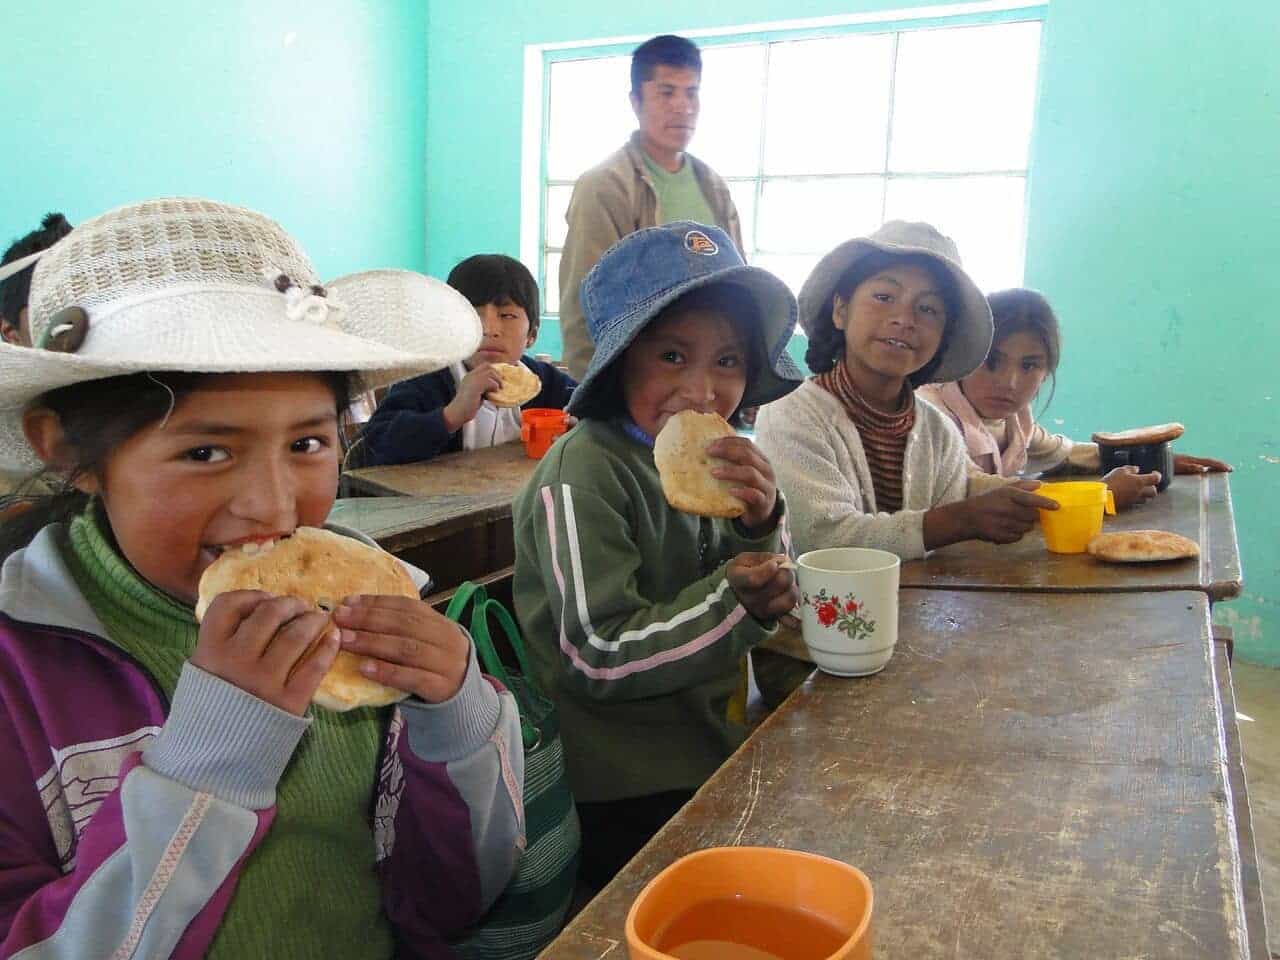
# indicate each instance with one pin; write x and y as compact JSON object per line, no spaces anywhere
{"x":589,"y":112}
{"x":964,"y":98}
{"x":557,"y":206}
{"x":551,"y":287}
{"x":791,"y":269}
{"x":812,"y":216}
{"x":828,"y":109}
{"x":728,"y":133}
{"x":744,"y":198}
{"x":983,"y":215}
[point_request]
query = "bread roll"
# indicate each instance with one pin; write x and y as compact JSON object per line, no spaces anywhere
{"x":684,"y":466}
{"x":322,"y":568}
{"x":519,"y":385}
{"x":1140,"y":436}
{"x":1142,"y":546}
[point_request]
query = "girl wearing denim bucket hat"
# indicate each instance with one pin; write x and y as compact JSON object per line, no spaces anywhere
{"x":863,"y":462}
{"x":639,"y":617}
{"x":166,"y":791}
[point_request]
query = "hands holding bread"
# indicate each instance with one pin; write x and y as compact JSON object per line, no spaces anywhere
{"x":405,"y":645}
{"x":276,"y":648}
{"x":319,"y":617}
{"x":753,"y":482}
{"x":462,"y":409}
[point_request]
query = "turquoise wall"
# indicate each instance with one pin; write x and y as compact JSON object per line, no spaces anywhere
{"x":106,"y":103}
{"x":1153,"y":220}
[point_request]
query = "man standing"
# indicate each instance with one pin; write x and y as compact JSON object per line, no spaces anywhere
{"x":649,"y":181}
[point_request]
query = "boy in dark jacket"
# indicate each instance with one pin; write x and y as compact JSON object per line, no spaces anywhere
{"x":446,"y":411}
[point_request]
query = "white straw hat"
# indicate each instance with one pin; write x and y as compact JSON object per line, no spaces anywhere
{"x":197,"y":286}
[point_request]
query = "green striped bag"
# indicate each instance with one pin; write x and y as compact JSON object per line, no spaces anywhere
{"x":534,"y":905}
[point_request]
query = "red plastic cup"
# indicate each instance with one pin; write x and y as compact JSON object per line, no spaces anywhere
{"x":539,"y":428}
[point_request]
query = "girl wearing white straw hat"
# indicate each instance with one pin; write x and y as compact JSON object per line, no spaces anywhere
{"x":167,"y":791}
{"x":862,"y":461}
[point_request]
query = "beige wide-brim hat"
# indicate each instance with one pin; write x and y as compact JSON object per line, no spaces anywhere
{"x":969,"y":338}
{"x":197,"y":286}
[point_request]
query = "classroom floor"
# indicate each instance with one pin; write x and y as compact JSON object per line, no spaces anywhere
{"x":1257,"y":691}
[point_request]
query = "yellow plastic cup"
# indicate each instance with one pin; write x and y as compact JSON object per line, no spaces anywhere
{"x":1078,"y":519}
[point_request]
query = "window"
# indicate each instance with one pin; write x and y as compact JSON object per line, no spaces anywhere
{"x":936,"y":126}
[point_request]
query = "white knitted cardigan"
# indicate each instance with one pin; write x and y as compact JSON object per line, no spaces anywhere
{"x":817,"y":457}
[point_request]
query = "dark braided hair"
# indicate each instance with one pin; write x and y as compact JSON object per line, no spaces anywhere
{"x":826,"y":340}
{"x":15,"y":291}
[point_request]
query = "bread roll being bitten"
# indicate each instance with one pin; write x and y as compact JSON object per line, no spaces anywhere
{"x":684,"y":466}
{"x":322,"y":568}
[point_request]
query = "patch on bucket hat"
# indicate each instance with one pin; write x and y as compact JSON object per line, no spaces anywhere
{"x":695,"y":241}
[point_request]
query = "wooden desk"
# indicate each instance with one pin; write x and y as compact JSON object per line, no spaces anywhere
{"x":1250,"y":875}
{"x":1198,"y":507}
{"x":1031,"y":776}
{"x":499,"y":471}
{"x":450,"y":516}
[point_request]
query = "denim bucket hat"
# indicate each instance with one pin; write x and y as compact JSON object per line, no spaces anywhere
{"x":646,"y":271}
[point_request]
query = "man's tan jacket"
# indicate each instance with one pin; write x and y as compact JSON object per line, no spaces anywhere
{"x":610,"y":201}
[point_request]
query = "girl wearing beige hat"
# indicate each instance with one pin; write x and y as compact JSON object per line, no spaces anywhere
{"x":168,"y":790}
{"x":861,"y":460}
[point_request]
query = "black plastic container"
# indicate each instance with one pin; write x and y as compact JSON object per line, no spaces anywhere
{"x":1145,"y":456}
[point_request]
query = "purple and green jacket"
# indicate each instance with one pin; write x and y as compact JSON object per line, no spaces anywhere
{"x":125,"y":820}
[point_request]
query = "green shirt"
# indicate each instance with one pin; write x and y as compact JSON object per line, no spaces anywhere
{"x":679,"y":196}
{"x":309,"y":889}
{"x":629,"y":618}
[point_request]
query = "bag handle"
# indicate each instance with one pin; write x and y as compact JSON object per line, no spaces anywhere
{"x":482,"y":606}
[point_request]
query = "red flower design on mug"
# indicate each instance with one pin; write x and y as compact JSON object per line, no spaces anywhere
{"x":845,"y":613}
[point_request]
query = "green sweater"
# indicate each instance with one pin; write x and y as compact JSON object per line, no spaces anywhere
{"x":630,"y":621}
{"x":309,"y":890}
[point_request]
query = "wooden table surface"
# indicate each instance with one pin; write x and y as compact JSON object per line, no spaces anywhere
{"x":498,"y":471}
{"x":1034,"y":775}
{"x":401,"y":523}
{"x":1198,"y":507}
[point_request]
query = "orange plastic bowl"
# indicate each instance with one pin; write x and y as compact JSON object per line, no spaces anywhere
{"x":539,"y":427}
{"x":831,"y":891}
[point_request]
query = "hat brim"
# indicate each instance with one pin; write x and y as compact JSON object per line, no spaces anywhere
{"x":775,"y":306}
{"x":970,"y":337}
{"x":392,"y":324}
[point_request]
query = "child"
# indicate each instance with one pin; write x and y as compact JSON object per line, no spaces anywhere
{"x":167,"y":791}
{"x":862,"y":463}
{"x":15,"y":282}
{"x":639,"y":617}
{"x":992,"y":405}
{"x":446,"y":411}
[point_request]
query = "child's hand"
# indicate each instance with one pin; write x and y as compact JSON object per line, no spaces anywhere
{"x":763,"y":586}
{"x":463,"y":408}
{"x":408,"y":645}
{"x":1131,"y":488}
{"x":276,"y":648}
{"x":750,"y":470}
{"x":1182,"y":463}
{"x":1004,"y":515}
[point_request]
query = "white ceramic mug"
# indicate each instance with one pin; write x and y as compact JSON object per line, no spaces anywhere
{"x":849,"y":608}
